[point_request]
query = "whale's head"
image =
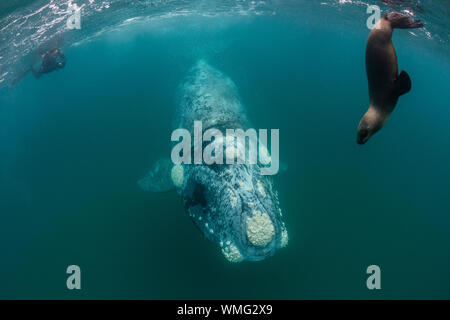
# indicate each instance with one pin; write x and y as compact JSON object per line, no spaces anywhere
{"x":236,"y":207}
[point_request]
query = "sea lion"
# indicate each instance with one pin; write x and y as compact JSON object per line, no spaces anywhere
{"x":385,"y":84}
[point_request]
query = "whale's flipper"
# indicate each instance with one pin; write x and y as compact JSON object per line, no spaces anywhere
{"x":159,"y":178}
{"x":403,"y":83}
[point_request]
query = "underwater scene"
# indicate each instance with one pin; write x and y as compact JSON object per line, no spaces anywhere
{"x":118,"y":162}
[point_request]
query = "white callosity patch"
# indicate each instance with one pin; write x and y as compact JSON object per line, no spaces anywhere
{"x":246,"y":183}
{"x":261,"y":189}
{"x":233,"y":198}
{"x":284,"y":238}
{"x":260,"y":229}
{"x":232,"y":253}
{"x":177,"y":175}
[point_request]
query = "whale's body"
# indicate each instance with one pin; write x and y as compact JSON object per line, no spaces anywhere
{"x":207,"y":95}
{"x":234,"y":206}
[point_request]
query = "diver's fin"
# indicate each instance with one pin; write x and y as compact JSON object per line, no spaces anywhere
{"x":158,"y":179}
{"x":23,"y":74}
{"x":402,"y":84}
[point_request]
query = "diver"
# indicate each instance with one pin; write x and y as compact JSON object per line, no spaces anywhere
{"x":52,"y":60}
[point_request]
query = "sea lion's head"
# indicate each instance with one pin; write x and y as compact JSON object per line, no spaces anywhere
{"x":371,"y":123}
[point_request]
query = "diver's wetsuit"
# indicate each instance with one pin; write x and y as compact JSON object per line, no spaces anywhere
{"x":52,"y":60}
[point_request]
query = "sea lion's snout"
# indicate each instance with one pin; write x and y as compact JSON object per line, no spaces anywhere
{"x":363,"y":136}
{"x":370,"y":124}
{"x":365,"y":129}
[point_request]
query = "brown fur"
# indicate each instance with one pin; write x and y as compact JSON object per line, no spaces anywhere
{"x":385,"y":84}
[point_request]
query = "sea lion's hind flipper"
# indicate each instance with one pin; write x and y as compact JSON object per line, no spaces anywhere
{"x":158,"y":179}
{"x":409,"y":24}
{"x":402,"y":84}
{"x":402,"y":21}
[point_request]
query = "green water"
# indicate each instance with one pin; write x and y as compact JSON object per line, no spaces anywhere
{"x":74,"y":143}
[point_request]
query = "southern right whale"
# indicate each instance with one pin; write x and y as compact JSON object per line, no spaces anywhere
{"x":234,"y":206}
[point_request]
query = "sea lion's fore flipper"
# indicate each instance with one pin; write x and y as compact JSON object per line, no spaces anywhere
{"x":402,"y":84}
{"x":158,"y":179}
